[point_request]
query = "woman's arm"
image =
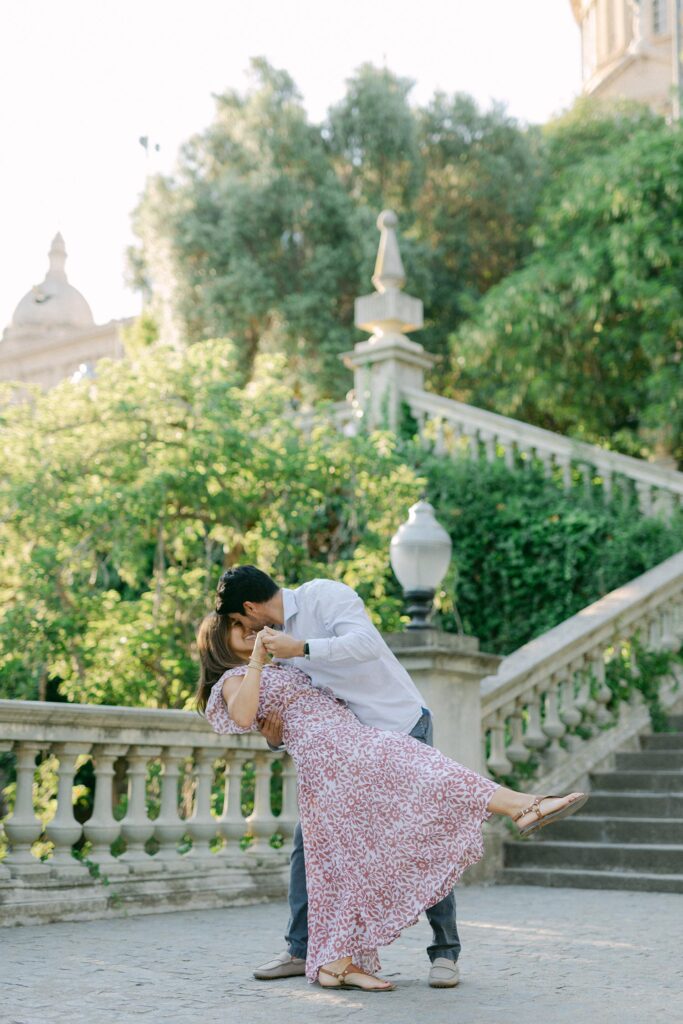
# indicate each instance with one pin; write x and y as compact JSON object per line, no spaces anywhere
{"x":242,"y":700}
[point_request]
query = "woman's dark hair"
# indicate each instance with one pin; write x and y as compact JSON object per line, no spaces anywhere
{"x":215,"y":655}
{"x":243,"y":583}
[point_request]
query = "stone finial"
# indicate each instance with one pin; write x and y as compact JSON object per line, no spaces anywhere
{"x":388,"y":310}
{"x":389,"y":273}
{"x":57,"y":257}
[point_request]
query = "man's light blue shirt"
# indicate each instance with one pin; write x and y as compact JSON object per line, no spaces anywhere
{"x":348,"y":654}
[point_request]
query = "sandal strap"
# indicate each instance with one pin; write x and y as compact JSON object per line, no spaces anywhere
{"x":535,"y":806}
{"x":350,"y":968}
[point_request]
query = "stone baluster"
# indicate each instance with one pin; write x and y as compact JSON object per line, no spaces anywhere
{"x":668,"y":640}
{"x":473,"y":442}
{"x":508,"y":453}
{"x":289,"y":815}
{"x":570,"y":714}
{"x":644,"y":492}
{"x":606,"y":476}
{"x":439,"y":438}
{"x":5,"y":747}
{"x":231,"y":823}
{"x":489,"y":439}
{"x":553,"y":727}
{"x":546,"y":458}
{"x":584,"y":699}
{"x":565,"y":465}
{"x":136,"y":827}
{"x":534,"y":738}
{"x":603,"y":694}
{"x":63,"y":830}
{"x":498,"y":762}
{"x":203,"y":825}
{"x":23,"y":827}
{"x":677,"y":620}
{"x":102,"y":829}
{"x":517,"y":751}
{"x":262,"y":823}
{"x":586,"y":471}
{"x":169,"y":827}
{"x":420,"y":417}
{"x":654,"y":632}
{"x":664,"y":504}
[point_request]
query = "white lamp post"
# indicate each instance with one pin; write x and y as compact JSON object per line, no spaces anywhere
{"x":420,"y":555}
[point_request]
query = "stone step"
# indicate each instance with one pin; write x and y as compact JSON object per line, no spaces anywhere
{"x":663,"y":741}
{"x":648,"y":782}
{"x":633,"y":805}
{"x":651,"y":858}
{"x":650,"y":760}
{"x":608,"y":829}
{"x":635,"y":880}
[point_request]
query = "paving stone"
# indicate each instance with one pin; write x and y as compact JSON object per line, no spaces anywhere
{"x":547,"y":956}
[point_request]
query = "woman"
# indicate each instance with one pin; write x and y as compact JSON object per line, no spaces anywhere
{"x":389,"y":824}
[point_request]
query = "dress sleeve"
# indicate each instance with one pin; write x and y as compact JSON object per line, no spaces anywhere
{"x":217,"y":715}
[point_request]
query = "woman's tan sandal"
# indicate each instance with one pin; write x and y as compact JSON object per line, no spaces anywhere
{"x":546,"y":819}
{"x":351,"y":968}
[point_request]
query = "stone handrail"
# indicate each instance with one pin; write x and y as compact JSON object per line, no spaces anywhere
{"x":446,"y":422}
{"x":554,"y":687}
{"x":123,"y":743}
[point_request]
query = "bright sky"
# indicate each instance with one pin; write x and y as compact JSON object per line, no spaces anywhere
{"x":82,"y":80}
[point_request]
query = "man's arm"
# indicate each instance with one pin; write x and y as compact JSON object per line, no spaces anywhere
{"x":351,"y":635}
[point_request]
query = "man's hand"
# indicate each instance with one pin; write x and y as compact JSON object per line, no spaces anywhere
{"x":271,"y":728}
{"x":281,"y":645}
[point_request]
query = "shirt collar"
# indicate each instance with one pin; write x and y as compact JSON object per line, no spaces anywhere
{"x":290,"y":605}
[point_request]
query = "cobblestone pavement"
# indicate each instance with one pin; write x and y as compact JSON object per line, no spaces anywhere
{"x":533,"y":954}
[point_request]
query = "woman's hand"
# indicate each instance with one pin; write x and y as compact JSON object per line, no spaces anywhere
{"x":259,"y":653}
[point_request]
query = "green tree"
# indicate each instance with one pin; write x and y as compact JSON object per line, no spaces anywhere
{"x":587,"y":338}
{"x":254,"y":236}
{"x":123,"y":498}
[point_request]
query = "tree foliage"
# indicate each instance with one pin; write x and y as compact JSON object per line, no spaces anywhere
{"x":125,"y":497}
{"x":266,"y":232}
{"x":587,"y":338}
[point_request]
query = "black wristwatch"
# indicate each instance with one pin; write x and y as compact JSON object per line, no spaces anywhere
{"x":307,"y":650}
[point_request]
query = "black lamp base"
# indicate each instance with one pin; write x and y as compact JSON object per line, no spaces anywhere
{"x":418,"y":606}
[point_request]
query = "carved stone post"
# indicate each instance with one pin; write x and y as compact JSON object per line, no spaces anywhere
{"x":448,"y":670}
{"x":388,"y":361}
{"x":262,"y":822}
{"x":169,"y":826}
{"x":203,"y":826}
{"x":102,"y":828}
{"x":136,"y":827}
{"x":64,"y":830}
{"x":232,"y":823}
{"x":23,"y":827}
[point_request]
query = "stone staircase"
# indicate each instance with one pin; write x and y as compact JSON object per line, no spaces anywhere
{"x":628,"y":836}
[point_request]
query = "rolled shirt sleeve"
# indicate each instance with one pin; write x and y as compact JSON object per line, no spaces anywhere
{"x":354,"y":638}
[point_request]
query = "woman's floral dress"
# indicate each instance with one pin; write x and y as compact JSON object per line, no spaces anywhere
{"x":389,"y":824}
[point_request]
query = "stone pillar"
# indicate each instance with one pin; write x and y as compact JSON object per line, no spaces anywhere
{"x":447,"y":670}
{"x":388,"y":361}
{"x":64,"y":830}
{"x":102,"y":828}
{"x":24,"y":827}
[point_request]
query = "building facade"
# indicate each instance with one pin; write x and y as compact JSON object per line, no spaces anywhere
{"x":627,"y":49}
{"x":53,"y":335}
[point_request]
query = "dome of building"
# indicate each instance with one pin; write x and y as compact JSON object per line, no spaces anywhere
{"x":55,"y":302}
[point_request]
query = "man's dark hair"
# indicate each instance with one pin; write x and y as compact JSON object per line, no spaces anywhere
{"x":243,"y":583}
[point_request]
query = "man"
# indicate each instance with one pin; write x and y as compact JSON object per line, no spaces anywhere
{"x":324,"y":629}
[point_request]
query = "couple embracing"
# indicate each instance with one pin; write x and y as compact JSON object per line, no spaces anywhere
{"x":387,"y":823}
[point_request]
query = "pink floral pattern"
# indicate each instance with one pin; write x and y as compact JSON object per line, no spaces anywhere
{"x":389,"y":824}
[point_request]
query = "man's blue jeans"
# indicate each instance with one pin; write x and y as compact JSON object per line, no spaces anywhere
{"x":441,"y":916}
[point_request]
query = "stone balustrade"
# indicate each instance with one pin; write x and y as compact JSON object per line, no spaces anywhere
{"x":554,"y":688}
{"x":190,"y":853}
{"x":456,"y":428}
